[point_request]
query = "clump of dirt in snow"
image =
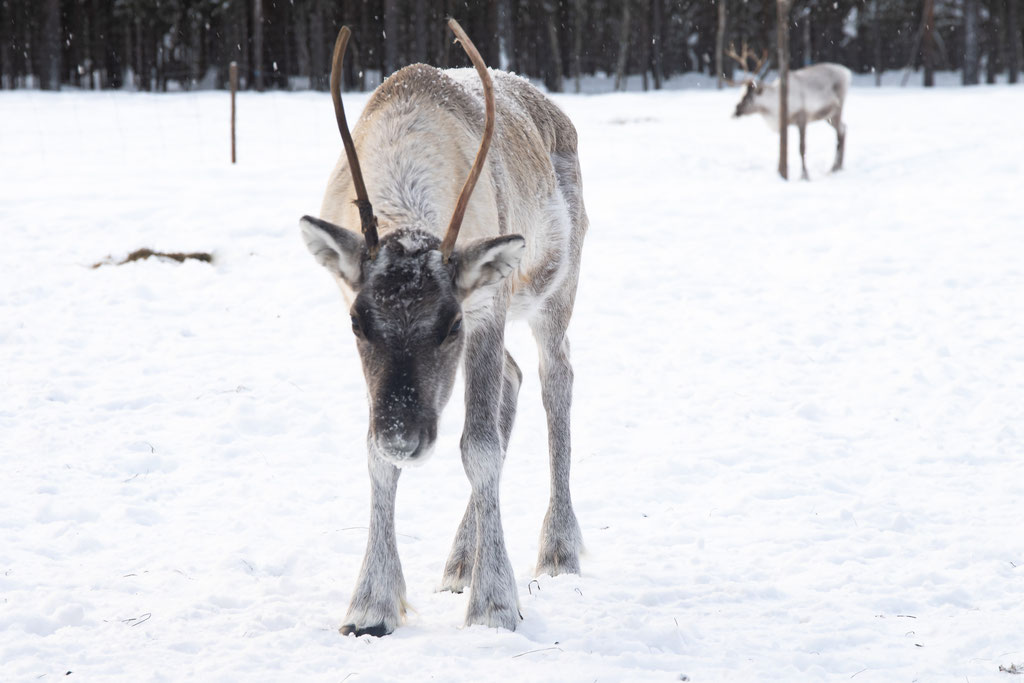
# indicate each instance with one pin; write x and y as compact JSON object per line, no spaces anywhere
{"x":140,"y":254}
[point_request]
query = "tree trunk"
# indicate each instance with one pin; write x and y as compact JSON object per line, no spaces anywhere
{"x":150,"y":47}
{"x":506,"y":46}
{"x":928,"y":43}
{"x":720,"y":44}
{"x":876,"y":39}
{"x":420,"y":17}
{"x":284,"y":59}
{"x":52,"y":41}
{"x":244,"y":48}
{"x":806,"y":58}
{"x":386,"y":50}
{"x":782,"y":8}
{"x":645,"y":39}
{"x":353,"y":75}
{"x":391,"y":36}
{"x":98,"y":38}
{"x":257,"y":44}
{"x":971,"y":55}
{"x":195,"y":55}
{"x":620,"y":65}
{"x":6,"y":50}
{"x":657,"y":38}
{"x":141,"y":82}
{"x":28,"y":48}
{"x":1013,"y":20}
{"x":318,"y":68}
{"x":554,"y":70}
{"x":994,"y":39}
{"x":121,"y":65}
{"x":365,"y":44}
{"x":302,"y":47}
{"x":76,"y":30}
{"x":577,"y":41}
{"x":158,"y":57}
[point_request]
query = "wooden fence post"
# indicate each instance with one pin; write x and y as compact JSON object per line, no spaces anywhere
{"x":233,"y":74}
{"x":783,"y":49}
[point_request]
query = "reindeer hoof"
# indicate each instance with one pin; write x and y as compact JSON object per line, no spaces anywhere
{"x":560,"y":545}
{"x":493,"y":598}
{"x":494,"y":616}
{"x":373,"y":618}
{"x":457,"y":576}
{"x":558,"y":562}
{"x":377,"y":631}
{"x":452,"y":588}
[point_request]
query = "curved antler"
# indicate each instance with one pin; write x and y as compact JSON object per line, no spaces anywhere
{"x":448,"y":244}
{"x":743,"y":59}
{"x":366,"y":217}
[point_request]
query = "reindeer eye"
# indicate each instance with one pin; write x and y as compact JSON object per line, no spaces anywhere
{"x":356,"y":328}
{"x":454,"y":329}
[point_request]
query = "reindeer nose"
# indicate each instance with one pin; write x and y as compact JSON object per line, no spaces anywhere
{"x":398,"y":445}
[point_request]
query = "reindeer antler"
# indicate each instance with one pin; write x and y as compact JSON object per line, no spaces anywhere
{"x":448,"y":245}
{"x":366,"y":217}
{"x":744,"y":58}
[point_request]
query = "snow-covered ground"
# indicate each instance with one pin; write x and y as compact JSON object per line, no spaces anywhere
{"x":799,"y":426}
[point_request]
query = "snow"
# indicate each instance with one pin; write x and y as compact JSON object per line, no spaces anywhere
{"x":798,"y":423}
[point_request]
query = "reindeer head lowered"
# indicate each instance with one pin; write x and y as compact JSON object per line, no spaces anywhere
{"x":753,"y":87}
{"x":408,"y":291}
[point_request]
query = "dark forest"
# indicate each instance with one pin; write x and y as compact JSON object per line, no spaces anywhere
{"x":163,"y":45}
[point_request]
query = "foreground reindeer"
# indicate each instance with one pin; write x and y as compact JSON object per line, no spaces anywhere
{"x":419,"y":306}
{"x":815,"y":92}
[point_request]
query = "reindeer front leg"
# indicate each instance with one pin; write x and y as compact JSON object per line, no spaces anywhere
{"x":493,"y":599}
{"x":458,"y":570}
{"x":378,"y":602}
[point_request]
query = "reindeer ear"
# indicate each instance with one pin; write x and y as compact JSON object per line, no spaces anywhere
{"x":486,"y":263}
{"x":338,"y":250}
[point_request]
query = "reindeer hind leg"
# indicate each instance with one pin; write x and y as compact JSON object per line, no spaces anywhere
{"x":837,"y":123}
{"x":512,"y":379}
{"x":560,"y":538}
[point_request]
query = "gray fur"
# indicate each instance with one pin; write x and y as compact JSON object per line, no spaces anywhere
{"x":518,"y":256}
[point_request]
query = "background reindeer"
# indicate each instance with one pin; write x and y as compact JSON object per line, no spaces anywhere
{"x":419,"y":306}
{"x":815,"y":92}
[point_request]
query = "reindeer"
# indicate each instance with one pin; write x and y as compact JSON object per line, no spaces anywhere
{"x":815,"y":92}
{"x":420,"y":306}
